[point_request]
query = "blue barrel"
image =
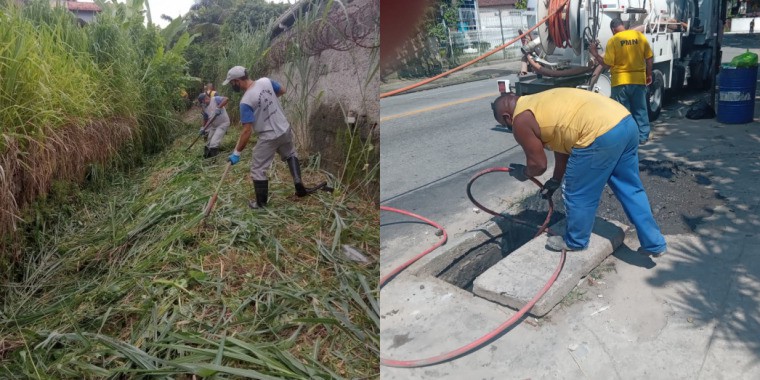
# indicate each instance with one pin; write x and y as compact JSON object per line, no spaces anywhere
{"x":736,"y":99}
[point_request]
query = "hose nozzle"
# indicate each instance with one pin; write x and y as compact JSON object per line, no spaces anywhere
{"x":531,"y":46}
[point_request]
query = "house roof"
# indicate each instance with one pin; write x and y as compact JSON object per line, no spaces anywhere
{"x":77,"y":6}
{"x":496,"y":3}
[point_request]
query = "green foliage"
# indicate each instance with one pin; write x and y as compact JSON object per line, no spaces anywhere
{"x":46,"y":76}
{"x":446,"y":17}
{"x":55,"y":72}
{"x":60,"y":78}
{"x":221,"y":26}
{"x":130,"y":284}
{"x":254,"y":15}
{"x":521,"y":4}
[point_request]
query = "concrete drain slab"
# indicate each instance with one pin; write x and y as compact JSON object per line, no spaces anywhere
{"x":515,"y":279}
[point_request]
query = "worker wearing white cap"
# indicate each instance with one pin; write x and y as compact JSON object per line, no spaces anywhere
{"x":260,"y":112}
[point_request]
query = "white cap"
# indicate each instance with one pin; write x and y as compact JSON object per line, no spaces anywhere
{"x":236,"y":72}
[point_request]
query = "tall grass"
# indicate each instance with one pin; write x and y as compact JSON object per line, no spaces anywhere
{"x":75,"y":100}
{"x":249,"y":49}
{"x":47,"y":79}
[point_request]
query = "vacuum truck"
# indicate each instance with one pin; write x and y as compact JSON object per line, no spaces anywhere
{"x":684,"y":36}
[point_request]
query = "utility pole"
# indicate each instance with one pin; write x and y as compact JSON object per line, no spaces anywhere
{"x":501,"y":28}
{"x":478,"y":24}
{"x":448,"y":34}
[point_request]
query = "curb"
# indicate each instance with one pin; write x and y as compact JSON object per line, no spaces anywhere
{"x":443,"y":83}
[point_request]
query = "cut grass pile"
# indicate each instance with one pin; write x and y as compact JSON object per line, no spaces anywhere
{"x":134,"y":284}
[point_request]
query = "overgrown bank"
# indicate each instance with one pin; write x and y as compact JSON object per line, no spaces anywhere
{"x":131,"y":283}
{"x":75,"y":101}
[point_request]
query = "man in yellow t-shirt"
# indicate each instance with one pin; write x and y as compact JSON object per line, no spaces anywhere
{"x":594,"y":140}
{"x":629,"y":58}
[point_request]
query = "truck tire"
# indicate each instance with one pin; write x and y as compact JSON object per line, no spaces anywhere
{"x":655,"y":95}
{"x":679,"y":76}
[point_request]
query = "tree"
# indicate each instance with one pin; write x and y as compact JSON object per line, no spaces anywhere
{"x":254,"y":15}
{"x":215,"y":22}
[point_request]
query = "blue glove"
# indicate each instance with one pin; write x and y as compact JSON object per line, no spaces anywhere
{"x":202,"y":132}
{"x":517,"y":171}
{"x":218,"y":112}
{"x":234,"y":157}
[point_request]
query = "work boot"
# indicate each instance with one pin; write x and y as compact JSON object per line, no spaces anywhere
{"x":557,"y":243}
{"x":213,"y":152}
{"x":262,"y":193}
{"x":644,"y":252}
{"x":205,"y":152}
{"x":295,"y":171}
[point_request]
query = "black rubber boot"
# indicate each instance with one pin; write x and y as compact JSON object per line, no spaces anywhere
{"x":213,"y":152}
{"x":205,"y":152}
{"x":262,"y":193}
{"x":295,"y":171}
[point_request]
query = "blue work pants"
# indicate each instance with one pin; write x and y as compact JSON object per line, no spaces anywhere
{"x":612,"y":158}
{"x":634,"y":98}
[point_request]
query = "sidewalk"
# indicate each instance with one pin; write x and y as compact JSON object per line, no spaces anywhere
{"x":478,"y":71}
{"x":694,"y":313}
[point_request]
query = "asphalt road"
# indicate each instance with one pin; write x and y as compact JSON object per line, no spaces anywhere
{"x":431,"y":135}
{"x":433,"y":142}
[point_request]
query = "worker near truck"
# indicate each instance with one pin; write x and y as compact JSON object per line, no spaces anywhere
{"x":629,"y":58}
{"x":594,"y":140}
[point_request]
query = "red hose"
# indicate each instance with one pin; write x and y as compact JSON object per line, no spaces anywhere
{"x":559,"y":23}
{"x":403,"y":266}
{"x":543,"y":227}
{"x":501,"y":328}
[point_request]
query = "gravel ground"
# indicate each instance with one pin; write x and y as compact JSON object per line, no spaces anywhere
{"x":680,"y":197}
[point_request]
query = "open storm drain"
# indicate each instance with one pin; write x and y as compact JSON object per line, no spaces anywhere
{"x":680,"y":197}
{"x":463,"y":263}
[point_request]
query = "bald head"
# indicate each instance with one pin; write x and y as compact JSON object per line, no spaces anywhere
{"x":503,"y":107}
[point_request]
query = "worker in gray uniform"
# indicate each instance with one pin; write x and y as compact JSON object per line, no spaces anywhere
{"x":213,"y":109}
{"x":260,"y":112}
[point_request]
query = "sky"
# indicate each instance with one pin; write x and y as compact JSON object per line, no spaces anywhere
{"x":174,"y":8}
{"x":171,"y":8}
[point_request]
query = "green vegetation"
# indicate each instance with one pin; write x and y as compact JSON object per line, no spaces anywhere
{"x":224,"y":27}
{"x":107,"y":269}
{"x":75,"y":99}
{"x":132,"y":283}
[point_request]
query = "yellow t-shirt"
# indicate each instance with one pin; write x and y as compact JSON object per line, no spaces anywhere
{"x":571,"y":118}
{"x":626,"y":53}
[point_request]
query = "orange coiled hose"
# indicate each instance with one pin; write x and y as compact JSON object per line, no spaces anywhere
{"x":559,"y":23}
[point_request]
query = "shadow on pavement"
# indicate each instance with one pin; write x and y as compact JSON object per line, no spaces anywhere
{"x":717,"y":276}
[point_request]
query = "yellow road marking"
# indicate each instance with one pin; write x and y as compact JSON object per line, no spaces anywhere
{"x":436,"y":107}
